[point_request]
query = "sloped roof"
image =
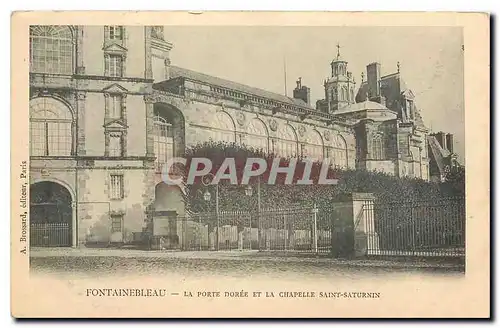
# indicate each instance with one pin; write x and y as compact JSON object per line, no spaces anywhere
{"x":393,"y":86}
{"x":176,"y":71}
{"x":438,"y":152}
{"x":365,"y":105}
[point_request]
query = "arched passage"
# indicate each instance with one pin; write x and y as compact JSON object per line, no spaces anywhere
{"x":51,"y":215}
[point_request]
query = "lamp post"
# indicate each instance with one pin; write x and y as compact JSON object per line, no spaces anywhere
{"x":249,"y":192}
{"x":207,"y":196}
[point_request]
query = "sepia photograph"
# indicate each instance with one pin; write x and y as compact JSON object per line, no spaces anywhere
{"x":325,"y":156}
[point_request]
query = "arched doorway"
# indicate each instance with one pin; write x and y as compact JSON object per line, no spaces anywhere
{"x":51,"y":215}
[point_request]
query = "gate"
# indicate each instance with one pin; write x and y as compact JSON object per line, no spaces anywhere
{"x":49,"y":225}
{"x":50,"y":234}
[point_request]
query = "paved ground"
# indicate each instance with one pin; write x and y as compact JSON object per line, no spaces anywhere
{"x":109,"y":260}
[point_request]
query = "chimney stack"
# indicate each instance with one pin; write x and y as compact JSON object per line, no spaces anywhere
{"x":373,"y":78}
{"x":441,"y":138}
{"x":302,"y":92}
{"x":449,"y":142}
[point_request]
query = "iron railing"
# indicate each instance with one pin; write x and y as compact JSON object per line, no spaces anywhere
{"x":411,"y":228}
{"x":417,"y":228}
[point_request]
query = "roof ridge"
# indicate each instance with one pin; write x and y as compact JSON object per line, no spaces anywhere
{"x":235,"y":85}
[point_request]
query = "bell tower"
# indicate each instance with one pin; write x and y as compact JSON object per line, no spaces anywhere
{"x":339,"y":88}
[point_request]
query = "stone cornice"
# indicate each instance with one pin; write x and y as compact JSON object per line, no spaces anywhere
{"x":163,"y":96}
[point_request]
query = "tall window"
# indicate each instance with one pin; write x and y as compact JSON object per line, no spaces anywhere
{"x":115,"y":106}
{"x":50,"y":128}
{"x":224,"y":128}
{"x":114,"y":65}
{"x":378,"y":149}
{"x":409,"y":109}
{"x":163,"y":141}
{"x":115,"y":32}
{"x":286,"y":145}
{"x":51,"y":49}
{"x":314,"y":147}
{"x":338,"y":151}
{"x":115,"y":144}
{"x":116,"y":186}
{"x":257,"y":135}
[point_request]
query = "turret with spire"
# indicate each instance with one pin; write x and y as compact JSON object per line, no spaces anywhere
{"x":339,"y":88}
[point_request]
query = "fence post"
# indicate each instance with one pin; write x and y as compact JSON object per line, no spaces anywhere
{"x":217,"y":216}
{"x":315,"y":213}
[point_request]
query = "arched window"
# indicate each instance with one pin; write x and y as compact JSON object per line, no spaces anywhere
{"x":50,"y":128}
{"x":51,"y":49}
{"x":338,"y":151}
{"x":257,"y":135}
{"x":352,"y":95}
{"x":163,"y":141}
{"x":224,"y":129}
{"x":378,"y":149}
{"x":314,"y":147}
{"x":286,"y":145}
{"x":344,"y":94}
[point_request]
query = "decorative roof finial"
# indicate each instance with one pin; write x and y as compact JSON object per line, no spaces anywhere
{"x":338,"y":50}
{"x":399,"y":66}
{"x":362,"y":77}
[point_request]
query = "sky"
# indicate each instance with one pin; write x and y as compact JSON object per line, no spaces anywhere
{"x":431,"y":61}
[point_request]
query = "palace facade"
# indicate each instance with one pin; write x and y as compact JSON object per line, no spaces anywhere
{"x":107,"y":109}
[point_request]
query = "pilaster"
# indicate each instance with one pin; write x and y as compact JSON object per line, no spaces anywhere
{"x":81,"y":97}
{"x":149,"y":126}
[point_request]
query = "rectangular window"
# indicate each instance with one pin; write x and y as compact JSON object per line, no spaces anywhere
{"x":116,"y":190}
{"x":116,"y":223}
{"x":115,"y":145}
{"x":114,"y":65}
{"x":116,"y":33}
{"x":115,"y":106}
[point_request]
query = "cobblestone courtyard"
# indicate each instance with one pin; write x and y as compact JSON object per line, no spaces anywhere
{"x":235,"y":264}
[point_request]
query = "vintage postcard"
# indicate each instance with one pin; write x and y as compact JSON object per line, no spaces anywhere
{"x":250,"y":165}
